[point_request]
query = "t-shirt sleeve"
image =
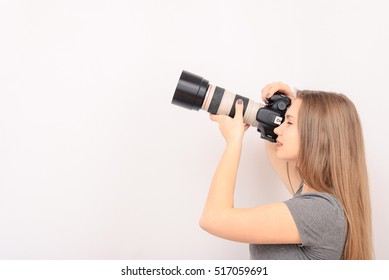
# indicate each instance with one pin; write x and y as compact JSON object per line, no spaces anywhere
{"x":319,"y":219}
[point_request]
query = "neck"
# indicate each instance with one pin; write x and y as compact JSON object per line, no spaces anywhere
{"x":293,"y":177}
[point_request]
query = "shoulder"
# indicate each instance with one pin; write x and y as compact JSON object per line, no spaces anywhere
{"x":314,"y":205}
{"x":319,"y":218}
{"x":316,"y":200}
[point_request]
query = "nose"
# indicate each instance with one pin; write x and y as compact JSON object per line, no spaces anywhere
{"x":278,"y":129}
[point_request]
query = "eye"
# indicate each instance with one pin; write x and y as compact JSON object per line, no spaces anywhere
{"x":289,"y":123}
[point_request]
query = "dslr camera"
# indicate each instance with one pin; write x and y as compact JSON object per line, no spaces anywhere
{"x":194,"y":92}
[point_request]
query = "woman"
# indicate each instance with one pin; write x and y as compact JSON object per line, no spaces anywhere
{"x":319,"y":156}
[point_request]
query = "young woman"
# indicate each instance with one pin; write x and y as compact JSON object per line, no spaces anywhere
{"x":319,"y":156}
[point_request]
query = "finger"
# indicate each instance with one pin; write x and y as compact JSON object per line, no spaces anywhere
{"x":216,"y":118}
{"x":239,"y":109}
{"x":268,"y":91}
{"x":286,"y":89}
{"x":213,"y":117}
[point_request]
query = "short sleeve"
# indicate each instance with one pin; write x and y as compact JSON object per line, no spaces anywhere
{"x":321,"y":223}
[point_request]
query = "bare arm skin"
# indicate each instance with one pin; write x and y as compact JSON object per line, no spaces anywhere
{"x":266,"y":224}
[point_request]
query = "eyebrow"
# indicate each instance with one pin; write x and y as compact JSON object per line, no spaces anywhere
{"x":290,"y":116}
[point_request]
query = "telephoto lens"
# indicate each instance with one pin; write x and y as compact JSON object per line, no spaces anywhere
{"x":194,"y":92}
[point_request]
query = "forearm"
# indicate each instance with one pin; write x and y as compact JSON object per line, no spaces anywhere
{"x":221,"y":193}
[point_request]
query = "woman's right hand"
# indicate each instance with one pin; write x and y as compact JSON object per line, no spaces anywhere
{"x":270,"y":89}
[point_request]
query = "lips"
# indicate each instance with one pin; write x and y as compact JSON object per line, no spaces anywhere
{"x":278,"y":143}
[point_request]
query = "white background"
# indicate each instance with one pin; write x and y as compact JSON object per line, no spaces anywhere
{"x":95,"y":163}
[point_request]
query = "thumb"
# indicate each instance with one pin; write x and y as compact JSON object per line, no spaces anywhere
{"x":239,"y":108}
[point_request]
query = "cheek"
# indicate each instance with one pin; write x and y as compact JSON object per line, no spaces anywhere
{"x":293,"y":145}
{"x":296,"y":143}
{"x":297,"y":148}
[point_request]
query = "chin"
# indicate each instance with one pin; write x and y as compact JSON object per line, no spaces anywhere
{"x":286,"y":157}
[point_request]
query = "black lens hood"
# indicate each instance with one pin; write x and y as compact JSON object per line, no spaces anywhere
{"x":190,"y":91}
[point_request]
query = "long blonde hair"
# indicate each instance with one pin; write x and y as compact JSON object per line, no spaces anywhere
{"x":332,"y":160}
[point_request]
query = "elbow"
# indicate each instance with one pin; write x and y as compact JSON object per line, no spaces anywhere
{"x":203,"y":222}
{"x":217,"y":224}
{"x":207,"y":222}
{"x":211,"y":222}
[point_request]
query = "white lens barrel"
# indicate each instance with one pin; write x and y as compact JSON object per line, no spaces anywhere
{"x":222,"y":102}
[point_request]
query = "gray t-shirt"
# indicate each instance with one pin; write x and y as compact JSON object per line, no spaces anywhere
{"x":321,"y":222}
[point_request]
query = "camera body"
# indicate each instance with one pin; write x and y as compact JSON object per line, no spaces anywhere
{"x":272,"y":115}
{"x":194,"y":93}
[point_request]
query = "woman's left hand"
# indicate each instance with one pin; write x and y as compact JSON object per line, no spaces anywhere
{"x":232,"y":129}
